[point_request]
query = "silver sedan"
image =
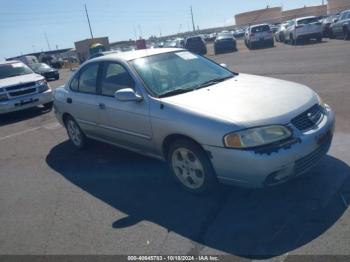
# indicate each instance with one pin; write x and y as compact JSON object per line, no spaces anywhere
{"x":208,"y":123}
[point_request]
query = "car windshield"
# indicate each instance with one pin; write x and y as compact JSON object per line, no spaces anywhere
{"x":308,"y":21}
{"x":14,"y":69}
{"x":259,"y":29}
{"x":224,"y":36}
{"x":40,"y":66}
{"x":165,"y":74}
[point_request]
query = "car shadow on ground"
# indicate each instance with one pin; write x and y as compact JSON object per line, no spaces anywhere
{"x":249,"y":223}
{"x":14,"y":117}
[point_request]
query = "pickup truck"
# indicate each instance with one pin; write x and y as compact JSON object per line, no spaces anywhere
{"x":21,"y":88}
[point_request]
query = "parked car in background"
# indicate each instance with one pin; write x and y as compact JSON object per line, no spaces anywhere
{"x":176,"y":43}
{"x":341,"y":26}
{"x":326,"y":24}
{"x":45,"y":70}
{"x":280,"y":33}
{"x":21,"y":88}
{"x":196,"y":44}
{"x":304,"y":28}
{"x":208,"y":123}
{"x":258,"y":35}
{"x":239,"y":33}
{"x":225,"y":42}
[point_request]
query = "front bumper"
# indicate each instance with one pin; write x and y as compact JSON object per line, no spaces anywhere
{"x":25,"y":102}
{"x":257,"y":169}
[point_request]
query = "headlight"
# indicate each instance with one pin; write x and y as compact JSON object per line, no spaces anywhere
{"x":320,"y":101}
{"x":258,"y":136}
{"x":3,"y":97}
{"x":42,"y":86}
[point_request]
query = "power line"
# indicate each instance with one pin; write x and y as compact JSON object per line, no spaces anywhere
{"x":87,"y":16}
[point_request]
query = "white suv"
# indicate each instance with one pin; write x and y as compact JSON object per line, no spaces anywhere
{"x":21,"y":88}
{"x":304,"y":28}
{"x":258,"y":35}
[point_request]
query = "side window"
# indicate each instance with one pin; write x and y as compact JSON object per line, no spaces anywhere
{"x":115,"y":77}
{"x":74,"y":84}
{"x":342,"y":16}
{"x":88,"y":79}
{"x":348,"y":17}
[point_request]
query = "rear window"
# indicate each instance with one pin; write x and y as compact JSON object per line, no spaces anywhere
{"x":259,"y":29}
{"x":194,"y":40}
{"x":308,"y":21}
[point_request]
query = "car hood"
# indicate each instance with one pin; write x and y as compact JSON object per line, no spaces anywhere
{"x":248,"y":100}
{"x":10,"y":81}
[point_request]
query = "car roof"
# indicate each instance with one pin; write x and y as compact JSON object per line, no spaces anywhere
{"x":305,"y":17}
{"x":252,"y":26}
{"x":9,"y":62}
{"x":132,"y":55}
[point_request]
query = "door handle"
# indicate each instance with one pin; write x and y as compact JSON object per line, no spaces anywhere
{"x":69,"y":100}
{"x":101,"y":106}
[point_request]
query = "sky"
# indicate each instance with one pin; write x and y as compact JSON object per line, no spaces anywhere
{"x":24,"y":23}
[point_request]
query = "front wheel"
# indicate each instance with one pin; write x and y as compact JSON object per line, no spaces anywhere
{"x":48,"y":106}
{"x":191,"y":167}
{"x":75,"y":134}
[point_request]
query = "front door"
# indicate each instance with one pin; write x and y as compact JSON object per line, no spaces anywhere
{"x":123,"y":123}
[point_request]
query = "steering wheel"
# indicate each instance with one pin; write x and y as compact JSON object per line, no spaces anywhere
{"x":191,"y":76}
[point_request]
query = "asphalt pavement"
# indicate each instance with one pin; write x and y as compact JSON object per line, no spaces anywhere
{"x":55,"y":199}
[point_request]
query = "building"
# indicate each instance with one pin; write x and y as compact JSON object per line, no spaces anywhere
{"x":83,"y":47}
{"x":267,"y":15}
{"x":318,"y":10}
{"x":336,"y":6}
{"x":277,"y":15}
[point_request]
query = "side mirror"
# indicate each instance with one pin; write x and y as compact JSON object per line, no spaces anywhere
{"x":127,"y":95}
{"x":335,"y":20}
{"x":224,"y":65}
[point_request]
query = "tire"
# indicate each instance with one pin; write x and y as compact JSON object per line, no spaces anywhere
{"x":292,"y":40}
{"x":346,"y":34}
{"x":75,"y":134}
{"x":331,"y":35}
{"x":48,"y":106}
{"x":57,"y":77}
{"x":319,"y":39}
{"x":191,"y":167}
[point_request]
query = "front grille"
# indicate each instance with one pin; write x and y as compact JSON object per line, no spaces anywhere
{"x":23,"y":92}
{"x":308,"y":119}
{"x":305,"y":163}
{"x":16,"y":87}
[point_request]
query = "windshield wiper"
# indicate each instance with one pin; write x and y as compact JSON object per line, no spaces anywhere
{"x":175,"y":92}
{"x":213,"y":81}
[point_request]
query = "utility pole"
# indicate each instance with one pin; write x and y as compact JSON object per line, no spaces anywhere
{"x":47,"y":41}
{"x":194,"y":28}
{"x":87,"y":16}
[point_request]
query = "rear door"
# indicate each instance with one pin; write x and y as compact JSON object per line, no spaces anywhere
{"x":124,"y":123}
{"x":82,"y":99}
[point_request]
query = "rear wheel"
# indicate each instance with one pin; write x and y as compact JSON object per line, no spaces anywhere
{"x":75,"y":134}
{"x":191,"y":167}
{"x":319,"y":39}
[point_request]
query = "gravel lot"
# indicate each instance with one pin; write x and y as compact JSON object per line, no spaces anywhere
{"x":57,"y":200}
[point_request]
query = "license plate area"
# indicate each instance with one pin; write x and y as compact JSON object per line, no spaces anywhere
{"x":27,"y":101}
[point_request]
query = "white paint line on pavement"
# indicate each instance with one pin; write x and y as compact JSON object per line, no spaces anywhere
{"x":20,"y":133}
{"x":50,"y":126}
